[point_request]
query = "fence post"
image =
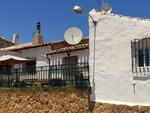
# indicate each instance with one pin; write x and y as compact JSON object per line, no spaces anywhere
{"x":17,"y":78}
{"x":49,"y":67}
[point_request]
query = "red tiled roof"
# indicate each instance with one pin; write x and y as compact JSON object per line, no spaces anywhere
{"x":64,"y":48}
{"x":24,"y":46}
{"x":5,"y":43}
{"x":70,"y":48}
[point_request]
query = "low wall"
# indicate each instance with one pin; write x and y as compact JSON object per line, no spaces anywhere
{"x":48,"y":100}
{"x":57,"y":100}
{"x":112,"y":108}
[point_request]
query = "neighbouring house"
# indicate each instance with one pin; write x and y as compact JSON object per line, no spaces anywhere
{"x":32,"y":50}
{"x":59,"y":52}
{"x":53,"y":60}
{"x":70,"y":62}
{"x":119,"y":59}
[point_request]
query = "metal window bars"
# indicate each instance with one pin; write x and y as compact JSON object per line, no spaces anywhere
{"x":140,"y":56}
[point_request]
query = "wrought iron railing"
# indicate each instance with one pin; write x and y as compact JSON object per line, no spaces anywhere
{"x":70,"y":74}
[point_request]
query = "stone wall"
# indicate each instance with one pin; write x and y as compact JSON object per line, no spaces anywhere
{"x":112,"y":108}
{"x":41,"y":101}
{"x":57,"y":101}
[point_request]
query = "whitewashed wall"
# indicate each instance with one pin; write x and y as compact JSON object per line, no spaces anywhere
{"x":39,"y":53}
{"x":41,"y":60}
{"x":83,"y":56}
{"x":113,"y":77}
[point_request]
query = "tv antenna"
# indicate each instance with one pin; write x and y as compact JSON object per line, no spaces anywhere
{"x":73,"y":35}
{"x":106,"y":8}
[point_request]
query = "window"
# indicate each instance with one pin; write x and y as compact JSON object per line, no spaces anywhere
{"x":70,"y":59}
{"x":143,"y":58}
{"x":140,"y":58}
{"x":147,"y":57}
{"x":6,"y":70}
{"x":140,"y":51}
{"x":31,"y":67}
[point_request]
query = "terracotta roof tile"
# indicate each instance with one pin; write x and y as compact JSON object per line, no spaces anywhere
{"x":64,"y":47}
{"x":23,"y":46}
{"x":70,"y":48}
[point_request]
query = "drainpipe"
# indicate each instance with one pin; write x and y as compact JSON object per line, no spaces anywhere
{"x":49,"y":66}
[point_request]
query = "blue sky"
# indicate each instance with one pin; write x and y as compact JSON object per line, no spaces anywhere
{"x":56,"y":16}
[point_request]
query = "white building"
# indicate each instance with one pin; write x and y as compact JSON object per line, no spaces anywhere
{"x":119,"y":59}
{"x":58,"y":52}
{"x":50,"y":60}
{"x":61,"y":52}
{"x":29,"y":50}
{"x":43,"y":54}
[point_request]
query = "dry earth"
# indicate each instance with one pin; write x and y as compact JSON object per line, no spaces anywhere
{"x":57,"y":100}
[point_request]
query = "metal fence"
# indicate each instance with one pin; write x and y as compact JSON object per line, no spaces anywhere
{"x":68,"y":74}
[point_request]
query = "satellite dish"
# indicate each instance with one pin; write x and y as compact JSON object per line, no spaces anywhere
{"x":73,"y":35}
{"x":106,"y":8}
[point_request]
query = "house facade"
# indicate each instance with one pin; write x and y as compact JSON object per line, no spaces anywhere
{"x":30,"y":51}
{"x":119,"y":59}
{"x":61,"y":52}
{"x":58,"y":52}
{"x":53,"y":60}
{"x":70,"y":62}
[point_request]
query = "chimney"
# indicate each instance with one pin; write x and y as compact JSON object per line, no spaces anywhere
{"x":38,"y":38}
{"x":38,"y":26}
{"x":15,"y":39}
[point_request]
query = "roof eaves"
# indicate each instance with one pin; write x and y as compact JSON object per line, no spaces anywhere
{"x":16,"y":47}
{"x":71,"y":48}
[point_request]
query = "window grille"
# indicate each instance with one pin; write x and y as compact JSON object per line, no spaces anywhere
{"x":140,"y":51}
